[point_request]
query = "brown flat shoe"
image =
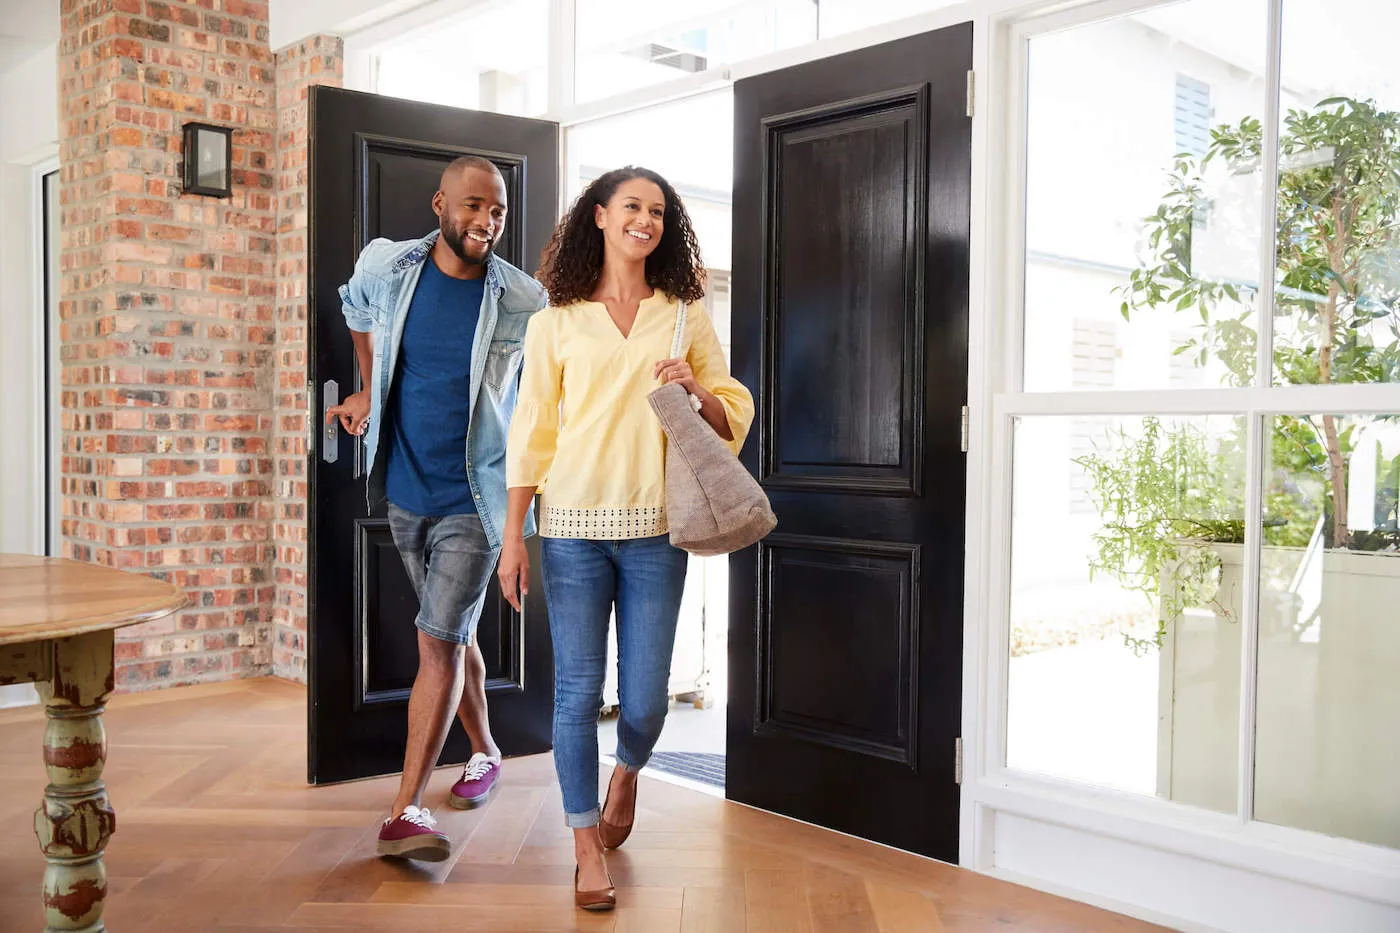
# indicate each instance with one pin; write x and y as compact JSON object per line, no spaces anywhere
{"x":603,"y":899}
{"x":613,"y":835}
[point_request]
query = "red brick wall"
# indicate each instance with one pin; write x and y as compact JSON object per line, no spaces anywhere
{"x":172,"y":366}
{"x":317,"y":60}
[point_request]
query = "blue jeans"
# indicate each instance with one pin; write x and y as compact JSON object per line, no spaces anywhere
{"x":583,"y":580}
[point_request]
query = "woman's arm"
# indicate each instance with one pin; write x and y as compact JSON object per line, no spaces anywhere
{"x":534,"y":434}
{"x":514,"y":568}
{"x":725,"y":404}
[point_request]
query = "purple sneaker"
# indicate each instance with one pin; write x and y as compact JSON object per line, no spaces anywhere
{"x":412,"y":836}
{"x":478,"y":780}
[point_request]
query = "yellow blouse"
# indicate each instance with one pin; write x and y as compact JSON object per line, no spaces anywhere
{"x":583,"y":430}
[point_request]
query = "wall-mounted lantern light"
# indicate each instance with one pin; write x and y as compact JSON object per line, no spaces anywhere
{"x":208,"y":151}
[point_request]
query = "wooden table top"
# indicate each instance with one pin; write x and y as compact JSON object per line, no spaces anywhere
{"x":44,"y":597}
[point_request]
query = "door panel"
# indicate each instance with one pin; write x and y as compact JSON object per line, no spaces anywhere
{"x":851,"y":229}
{"x":375,"y":164}
{"x":845,"y":420}
{"x":810,"y":589}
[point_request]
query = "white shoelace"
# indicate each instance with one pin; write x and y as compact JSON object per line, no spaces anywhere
{"x":419,"y":817}
{"x":478,"y":767}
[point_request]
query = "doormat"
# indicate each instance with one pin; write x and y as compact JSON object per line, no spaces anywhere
{"x":705,"y":767}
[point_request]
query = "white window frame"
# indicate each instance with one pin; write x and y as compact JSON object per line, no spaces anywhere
{"x":362,"y":45}
{"x":998,"y":399}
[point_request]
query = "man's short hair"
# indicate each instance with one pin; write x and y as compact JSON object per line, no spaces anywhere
{"x":462,"y":163}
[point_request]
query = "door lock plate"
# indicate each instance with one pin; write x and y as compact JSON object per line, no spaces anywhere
{"x":330,"y":441}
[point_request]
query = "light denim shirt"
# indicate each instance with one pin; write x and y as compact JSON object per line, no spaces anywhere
{"x":376,"y":301}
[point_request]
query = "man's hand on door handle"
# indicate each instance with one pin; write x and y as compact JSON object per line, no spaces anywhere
{"x":353,"y":412}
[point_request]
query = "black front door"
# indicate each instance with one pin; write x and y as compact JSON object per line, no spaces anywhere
{"x":375,"y":163}
{"x":850,"y":295}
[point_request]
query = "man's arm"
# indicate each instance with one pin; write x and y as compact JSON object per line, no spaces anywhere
{"x":353,"y":412}
{"x":358,"y":308}
{"x":364,"y":356}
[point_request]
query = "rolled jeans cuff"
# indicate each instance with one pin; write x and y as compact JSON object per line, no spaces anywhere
{"x":582,"y":820}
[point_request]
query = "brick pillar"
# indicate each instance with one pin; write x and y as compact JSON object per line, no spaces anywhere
{"x":317,"y":60}
{"x":168,"y":323}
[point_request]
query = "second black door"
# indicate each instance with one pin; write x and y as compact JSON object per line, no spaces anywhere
{"x":850,"y":296}
{"x":375,"y":163}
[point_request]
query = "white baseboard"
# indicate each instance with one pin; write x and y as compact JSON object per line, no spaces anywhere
{"x":1178,"y":890}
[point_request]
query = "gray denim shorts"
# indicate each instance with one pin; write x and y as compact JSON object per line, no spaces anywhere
{"x":451,"y":567}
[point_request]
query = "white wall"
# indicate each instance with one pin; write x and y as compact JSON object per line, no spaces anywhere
{"x":28,"y":134}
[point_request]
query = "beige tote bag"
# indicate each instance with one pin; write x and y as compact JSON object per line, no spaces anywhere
{"x":713,"y":505}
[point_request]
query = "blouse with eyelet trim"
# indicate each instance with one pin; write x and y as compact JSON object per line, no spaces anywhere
{"x":583,"y":431}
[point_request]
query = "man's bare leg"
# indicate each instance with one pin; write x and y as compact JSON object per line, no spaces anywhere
{"x":472,"y":708}
{"x":436,"y":692}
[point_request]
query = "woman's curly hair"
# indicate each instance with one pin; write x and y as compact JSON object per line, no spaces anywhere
{"x":573,"y":260}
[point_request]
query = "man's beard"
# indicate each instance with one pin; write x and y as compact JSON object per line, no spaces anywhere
{"x":458,"y":245}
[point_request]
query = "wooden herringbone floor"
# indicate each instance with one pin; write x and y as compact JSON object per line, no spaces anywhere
{"x":217,"y":831}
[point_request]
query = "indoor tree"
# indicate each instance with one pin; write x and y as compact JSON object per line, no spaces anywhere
{"x":1167,"y":496}
{"x":1337,"y":292}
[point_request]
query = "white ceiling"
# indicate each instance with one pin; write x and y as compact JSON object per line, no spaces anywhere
{"x":26,"y":26}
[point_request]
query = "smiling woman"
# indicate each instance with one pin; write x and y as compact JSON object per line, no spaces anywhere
{"x":622,"y":265}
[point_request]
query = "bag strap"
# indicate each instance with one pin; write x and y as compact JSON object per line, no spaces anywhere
{"x":678,"y":344}
{"x":678,"y":341}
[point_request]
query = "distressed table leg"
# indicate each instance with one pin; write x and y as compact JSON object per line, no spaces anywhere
{"x":76,"y":819}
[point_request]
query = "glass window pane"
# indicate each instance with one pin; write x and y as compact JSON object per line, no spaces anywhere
{"x":213,"y":168}
{"x":842,"y":16}
{"x":1125,"y":604}
{"x":1327,"y":755}
{"x":1143,"y":200}
{"x":1337,"y":310}
{"x":623,"y":46}
{"x":493,"y":60}
{"x":700,"y":168}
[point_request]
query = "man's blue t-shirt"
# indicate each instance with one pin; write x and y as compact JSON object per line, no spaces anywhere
{"x":430,"y":406}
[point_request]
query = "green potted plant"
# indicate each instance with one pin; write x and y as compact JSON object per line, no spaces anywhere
{"x":1164,"y":497}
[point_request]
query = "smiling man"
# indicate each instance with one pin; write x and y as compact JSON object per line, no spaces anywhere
{"x":437,"y":325}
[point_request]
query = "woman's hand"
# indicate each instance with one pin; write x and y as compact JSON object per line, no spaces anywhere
{"x":514,"y":570}
{"x":679,"y":371}
{"x":711,"y":409}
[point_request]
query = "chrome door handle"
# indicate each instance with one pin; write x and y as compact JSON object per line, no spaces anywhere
{"x":330,"y":441}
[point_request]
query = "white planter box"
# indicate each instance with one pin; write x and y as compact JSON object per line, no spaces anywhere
{"x":1328,"y":738}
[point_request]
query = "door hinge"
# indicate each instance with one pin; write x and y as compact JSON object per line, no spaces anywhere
{"x":966,"y":427}
{"x":957,"y":760}
{"x":971,"y":92}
